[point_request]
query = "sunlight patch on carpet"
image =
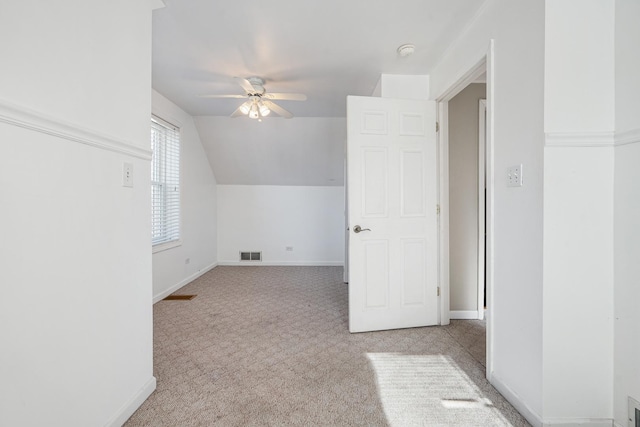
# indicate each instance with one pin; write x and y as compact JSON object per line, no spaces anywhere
{"x":426,"y":390}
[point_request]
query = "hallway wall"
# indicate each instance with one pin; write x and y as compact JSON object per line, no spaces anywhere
{"x":463,"y":200}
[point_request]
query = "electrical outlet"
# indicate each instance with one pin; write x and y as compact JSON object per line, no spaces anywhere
{"x":634,"y":412}
{"x":289,"y":248}
{"x":127,"y":174}
{"x":514,"y":176}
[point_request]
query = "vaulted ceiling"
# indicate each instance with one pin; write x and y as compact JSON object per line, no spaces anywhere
{"x":325,"y":49}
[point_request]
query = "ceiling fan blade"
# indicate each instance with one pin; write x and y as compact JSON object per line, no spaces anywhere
{"x":277,"y":109}
{"x":246,"y":85}
{"x":238,"y":111}
{"x":286,"y":96}
{"x":223,"y":96}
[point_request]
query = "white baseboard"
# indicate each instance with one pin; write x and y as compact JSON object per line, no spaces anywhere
{"x":162,"y":295}
{"x":463,"y":314}
{"x":282,"y":263}
{"x":578,"y":422}
{"x":533,"y":418}
{"x":118,"y":419}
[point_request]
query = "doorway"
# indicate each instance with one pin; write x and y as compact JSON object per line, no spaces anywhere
{"x":469,"y":300}
{"x":467,"y":202}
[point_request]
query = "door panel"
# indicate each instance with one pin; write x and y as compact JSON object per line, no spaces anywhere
{"x":374,"y":122}
{"x":412,"y":191}
{"x":391,"y":169}
{"x":376,"y":281}
{"x":413,"y":271}
{"x":374,"y":182}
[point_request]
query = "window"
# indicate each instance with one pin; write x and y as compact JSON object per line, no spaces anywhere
{"x":165,"y":182}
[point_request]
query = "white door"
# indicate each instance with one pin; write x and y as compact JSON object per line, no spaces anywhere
{"x":392,"y":205}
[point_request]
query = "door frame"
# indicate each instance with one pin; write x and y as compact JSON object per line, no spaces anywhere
{"x":482,"y":162}
{"x":482,"y":65}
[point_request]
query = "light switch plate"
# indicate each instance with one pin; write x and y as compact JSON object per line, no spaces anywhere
{"x":514,"y":176}
{"x":127,"y":174}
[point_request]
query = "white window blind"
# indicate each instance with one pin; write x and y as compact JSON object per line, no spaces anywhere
{"x":165,"y":182}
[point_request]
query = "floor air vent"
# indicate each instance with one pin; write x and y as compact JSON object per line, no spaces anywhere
{"x":180,"y":297}
{"x":250,"y":256}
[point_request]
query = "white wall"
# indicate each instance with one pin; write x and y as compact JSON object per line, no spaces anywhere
{"x":198,"y":209}
{"x":59,"y":59}
{"x":75,"y":312}
{"x":627,"y":62}
{"x":515,"y":94}
{"x":627,"y":276}
{"x":463,"y":198}
{"x":589,"y":364}
{"x":578,"y":211}
{"x":627,"y":208}
{"x":578,"y":305}
{"x":270,"y":218}
{"x":579,"y":55}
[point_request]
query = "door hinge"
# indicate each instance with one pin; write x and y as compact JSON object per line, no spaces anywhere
{"x":438,"y":209}
{"x":438,"y":290}
{"x":437,"y":127}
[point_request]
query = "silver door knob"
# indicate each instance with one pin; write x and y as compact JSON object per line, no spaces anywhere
{"x":358,"y":229}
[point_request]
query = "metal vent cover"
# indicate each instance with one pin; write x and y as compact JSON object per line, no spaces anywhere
{"x":250,"y":256}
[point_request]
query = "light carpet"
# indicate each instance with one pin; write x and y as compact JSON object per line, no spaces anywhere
{"x":270,"y":346}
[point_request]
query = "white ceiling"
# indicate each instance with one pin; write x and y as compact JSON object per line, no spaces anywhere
{"x":325,"y":49}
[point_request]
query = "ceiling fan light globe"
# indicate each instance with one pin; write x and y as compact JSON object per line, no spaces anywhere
{"x":264,"y":110}
{"x":245,"y":108}
{"x":254,"y":113}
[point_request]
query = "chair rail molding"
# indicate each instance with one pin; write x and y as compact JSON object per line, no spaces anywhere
{"x":26,"y":118}
{"x":627,"y":137}
{"x":579,"y":139}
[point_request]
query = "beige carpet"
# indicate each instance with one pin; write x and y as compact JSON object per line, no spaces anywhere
{"x":269,"y":346}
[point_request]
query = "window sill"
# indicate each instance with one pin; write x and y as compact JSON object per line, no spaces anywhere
{"x":165,"y":246}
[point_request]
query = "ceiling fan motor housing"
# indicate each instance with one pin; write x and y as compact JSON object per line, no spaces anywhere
{"x":258,"y":85}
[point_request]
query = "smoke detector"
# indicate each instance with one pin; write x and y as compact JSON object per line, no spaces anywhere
{"x":406,"y":50}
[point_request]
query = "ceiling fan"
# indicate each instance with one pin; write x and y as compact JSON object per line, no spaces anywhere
{"x":259,"y":103}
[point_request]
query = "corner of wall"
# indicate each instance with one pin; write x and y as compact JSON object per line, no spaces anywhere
{"x":197,"y":254}
{"x":377,"y":91}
